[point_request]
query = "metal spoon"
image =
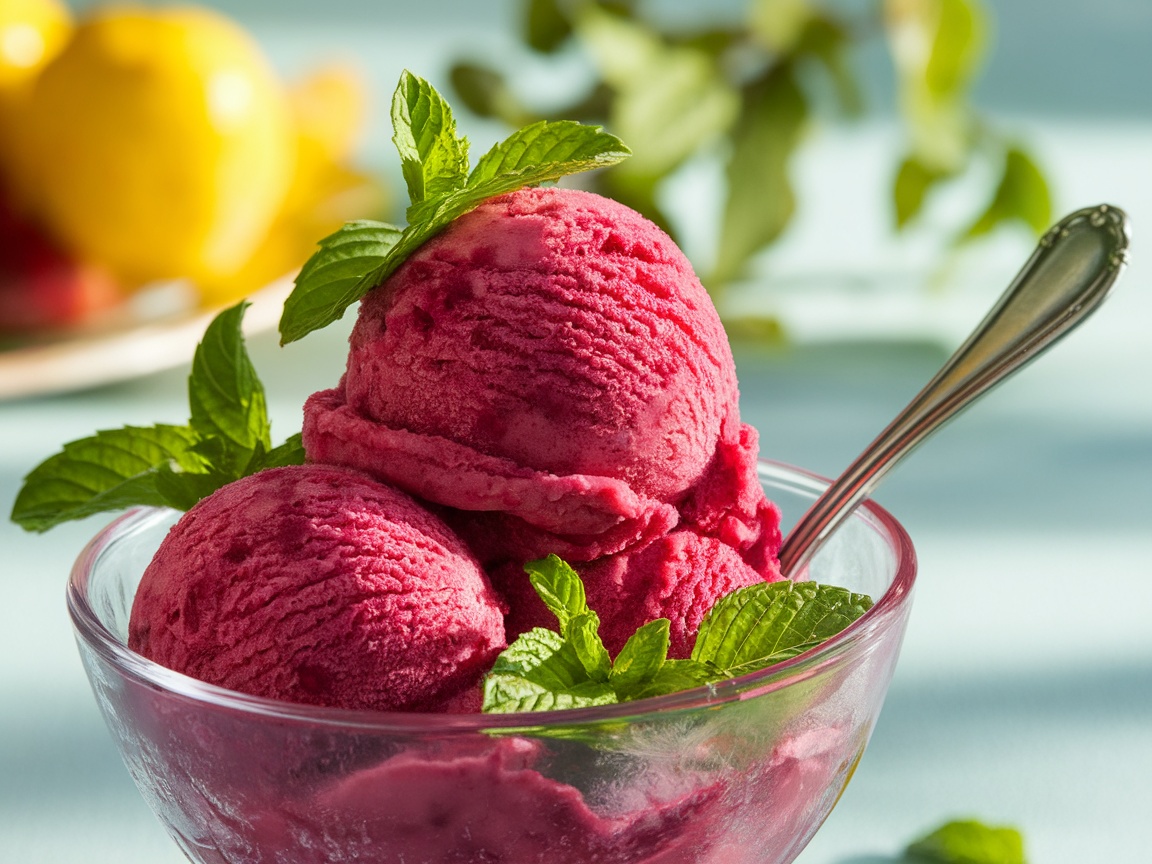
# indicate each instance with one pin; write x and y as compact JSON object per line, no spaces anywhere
{"x":1067,"y":277}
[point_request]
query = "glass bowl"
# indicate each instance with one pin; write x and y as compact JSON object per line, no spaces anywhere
{"x":744,"y":771}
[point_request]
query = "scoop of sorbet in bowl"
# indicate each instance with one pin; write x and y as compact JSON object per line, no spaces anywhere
{"x":319,"y":585}
{"x":551,"y":367}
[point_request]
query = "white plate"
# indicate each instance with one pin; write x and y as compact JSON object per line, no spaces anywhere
{"x":125,"y":352}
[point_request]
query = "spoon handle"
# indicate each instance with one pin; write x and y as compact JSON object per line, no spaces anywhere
{"x":1067,"y":277}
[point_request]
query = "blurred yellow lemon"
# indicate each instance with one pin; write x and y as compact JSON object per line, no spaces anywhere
{"x":161,"y":143}
{"x":31,"y":33}
{"x":329,"y":113}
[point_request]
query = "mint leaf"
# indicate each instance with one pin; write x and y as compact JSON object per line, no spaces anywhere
{"x":291,"y":452}
{"x":180,"y":490}
{"x":969,"y":842}
{"x":753,"y":625}
{"x":559,"y":586}
{"x":108,"y":471}
{"x":433,"y":159}
{"x":544,"y":658}
{"x":583,"y":634}
{"x":562,"y":591}
{"x":676,"y":675}
{"x":545,"y":670}
{"x":226,"y":438}
{"x":541,"y":671}
{"x":510,"y":701}
{"x":773,"y":658}
{"x":225,"y":395}
{"x":641,"y":658}
{"x":329,"y":281}
{"x":541,"y":152}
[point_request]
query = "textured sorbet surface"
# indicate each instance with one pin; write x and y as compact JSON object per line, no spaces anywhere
{"x":552,"y":364}
{"x":317,"y":584}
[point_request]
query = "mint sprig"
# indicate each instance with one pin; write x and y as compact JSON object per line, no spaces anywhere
{"x":748,"y":629}
{"x":434,"y":162}
{"x":227,"y":437}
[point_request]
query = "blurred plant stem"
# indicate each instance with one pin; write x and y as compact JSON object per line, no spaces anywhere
{"x":746,"y":93}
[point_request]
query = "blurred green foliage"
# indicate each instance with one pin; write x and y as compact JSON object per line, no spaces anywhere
{"x":746,"y":93}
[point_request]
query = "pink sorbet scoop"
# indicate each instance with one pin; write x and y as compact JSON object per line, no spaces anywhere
{"x":317,"y":584}
{"x":551,"y":368}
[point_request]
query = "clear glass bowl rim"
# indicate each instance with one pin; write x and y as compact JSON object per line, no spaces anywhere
{"x":92,"y":631}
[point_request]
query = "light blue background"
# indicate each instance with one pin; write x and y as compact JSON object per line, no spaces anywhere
{"x":1024,"y":693}
{"x":1050,"y":56}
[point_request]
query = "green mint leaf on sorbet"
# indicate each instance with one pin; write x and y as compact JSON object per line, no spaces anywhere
{"x":228,"y":414}
{"x":545,"y":670}
{"x":772,"y":621}
{"x":559,"y":586}
{"x":641,"y":658}
{"x":328,"y":283}
{"x":583,"y":634}
{"x":181,"y":490}
{"x":676,"y":675}
{"x":226,"y":438}
{"x":541,"y":671}
{"x":968,"y":842}
{"x":540,"y":153}
{"x":544,"y":151}
{"x":746,"y":630}
{"x":291,"y":452}
{"x":434,"y":160}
